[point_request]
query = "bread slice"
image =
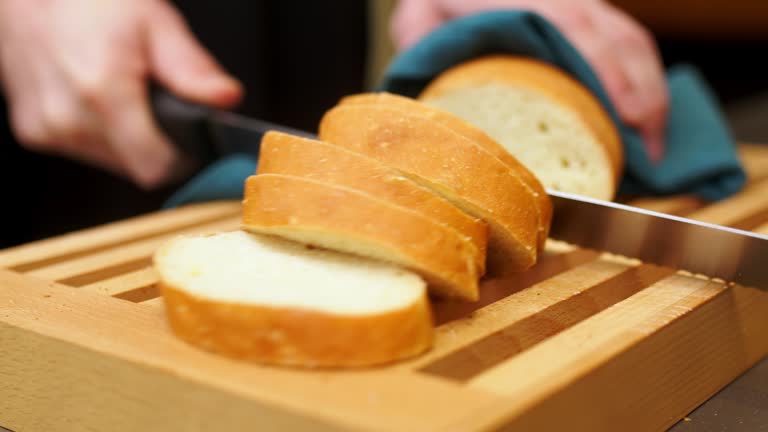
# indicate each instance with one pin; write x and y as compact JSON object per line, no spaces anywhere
{"x":480,"y":138}
{"x":272,"y":301}
{"x":450,"y":164}
{"x":316,"y":160}
{"x":343,"y":219}
{"x":542,"y":116}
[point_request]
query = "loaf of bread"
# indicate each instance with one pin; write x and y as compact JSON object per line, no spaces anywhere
{"x":272,"y":301}
{"x":451,"y":165}
{"x":343,"y":219}
{"x":316,"y":160}
{"x":540,"y":115}
{"x":456,"y":124}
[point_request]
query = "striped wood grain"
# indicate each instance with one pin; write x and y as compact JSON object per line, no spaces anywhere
{"x":581,"y":333}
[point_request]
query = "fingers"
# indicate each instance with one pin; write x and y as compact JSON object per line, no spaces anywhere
{"x":644,"y":102}
{"x":599,"y":53}
{"x":111,"y":128}
{"x":132,"y":136}
{"x":653,"y":132}
{"x":47,"y":117}
{"x":105,"y":122}
{"x":625,"y":59}
{"x":181,"y":64}
{"x":412,"y":20}
{"x":86,"y":97}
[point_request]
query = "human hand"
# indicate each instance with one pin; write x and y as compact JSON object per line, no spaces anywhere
{"x":622,"y":52}
{"x":75,"y":77}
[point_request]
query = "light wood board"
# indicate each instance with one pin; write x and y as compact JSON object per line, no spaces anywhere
{"x":584,"y":341}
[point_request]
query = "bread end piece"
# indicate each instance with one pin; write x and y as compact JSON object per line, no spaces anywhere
{"x":274,"y":318}
{"x":295,"y":337}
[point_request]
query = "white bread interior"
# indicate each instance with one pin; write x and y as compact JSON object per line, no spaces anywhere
{"x":270,"y":300}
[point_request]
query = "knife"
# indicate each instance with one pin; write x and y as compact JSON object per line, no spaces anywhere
{"x":733,"y":255}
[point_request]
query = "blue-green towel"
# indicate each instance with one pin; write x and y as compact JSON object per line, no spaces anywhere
{"x":700,"y":156}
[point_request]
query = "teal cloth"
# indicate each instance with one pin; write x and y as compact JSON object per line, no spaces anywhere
{"x":223,"y":179}
{"x":700,"y":156}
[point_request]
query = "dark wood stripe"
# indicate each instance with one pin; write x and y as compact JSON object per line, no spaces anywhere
{"x":497,"y":347}
{"x":752,"y":221}
{"x":106,"y":272}
{"x":493,"y":290}
{"x":34,"y":265}
{"x":138,"y":295}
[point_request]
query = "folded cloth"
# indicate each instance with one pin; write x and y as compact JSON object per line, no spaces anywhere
{"x":700,"y":156}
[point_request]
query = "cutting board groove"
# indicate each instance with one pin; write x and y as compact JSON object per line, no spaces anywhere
{"x":476,"y":357}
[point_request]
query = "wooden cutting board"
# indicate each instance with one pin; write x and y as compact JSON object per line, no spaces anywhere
{"x":584,"y":341}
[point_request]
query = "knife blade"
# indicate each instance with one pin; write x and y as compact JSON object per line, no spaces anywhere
{"x":698,"y":247}
{"x":685,"y":244}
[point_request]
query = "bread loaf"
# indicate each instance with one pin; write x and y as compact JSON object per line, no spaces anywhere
{"x":316,"y":160}
{"x":272,"y":301}
{"x":449,"y":164}
{"x":539,"y":114}
{"x":343,"y":219}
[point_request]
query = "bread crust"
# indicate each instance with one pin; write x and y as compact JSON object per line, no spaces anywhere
{"x":298,"y":337}
{"x":295,"y":207}
{"x":480,"y":138}
{"x":316,"y":160}
{"x":545,"y":79}
{"x":450,"y":164}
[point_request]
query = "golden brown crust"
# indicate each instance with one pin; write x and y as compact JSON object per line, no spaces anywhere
{"x":461,"y":127}
{"x":544,"y":78}
{"x":316,"y":160}
{"x":452,"y":165}
{"x":296,"y":337}
{"x":277,"y":203}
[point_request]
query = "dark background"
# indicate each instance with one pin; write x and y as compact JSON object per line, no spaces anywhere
{"x":298,"y":57}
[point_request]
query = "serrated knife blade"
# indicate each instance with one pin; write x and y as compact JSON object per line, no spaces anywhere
{"x":698,"y":247}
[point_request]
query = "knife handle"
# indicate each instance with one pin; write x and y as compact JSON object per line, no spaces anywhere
{"x":184,"y":123}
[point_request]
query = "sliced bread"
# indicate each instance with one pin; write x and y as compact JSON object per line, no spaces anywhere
{"x":343,"y":219}
{"x":542,"y":116}
{"x":268,"y":300}
{"x":449,"y":164}
{"x":479,"y":137}
{"x":316,"y":160}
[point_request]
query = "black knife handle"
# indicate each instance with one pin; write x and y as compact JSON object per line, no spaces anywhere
{"x":185,"y":124}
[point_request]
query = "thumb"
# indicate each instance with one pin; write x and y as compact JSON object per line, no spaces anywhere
{"x":182,"y":65}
